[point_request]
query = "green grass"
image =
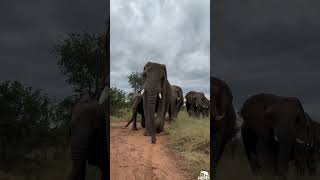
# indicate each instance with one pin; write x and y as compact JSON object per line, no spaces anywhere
{"x":123,"y":116}
{"x":189,"y":138}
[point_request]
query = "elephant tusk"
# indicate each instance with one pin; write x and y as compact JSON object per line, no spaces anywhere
{"x":142,"y":92}
{"x":178,"y":99}
{"x":276,"y":138}
{"x":155,"y":114}
{"x":299,"y":141}
{"x":160,"y":95}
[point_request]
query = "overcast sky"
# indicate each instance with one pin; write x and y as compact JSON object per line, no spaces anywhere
{"x":172,"y":32}
{"x":269,"y":46}
{"x":28,"y":31}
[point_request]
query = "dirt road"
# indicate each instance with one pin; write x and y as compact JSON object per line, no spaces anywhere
{"x":133,"y":157}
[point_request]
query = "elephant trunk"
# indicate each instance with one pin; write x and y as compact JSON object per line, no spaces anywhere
{"x":150,"y":102}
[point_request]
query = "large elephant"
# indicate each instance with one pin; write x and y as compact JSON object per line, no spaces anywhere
{"x":136,"y":107}
{"x":176,"y":101}
{"x":194,"y":103}
{"x":88,"y":135}
{"x":156,"y":98}
{"x":223,"y":118}
{"x":272,"y":125}
{"x":89,"y":127}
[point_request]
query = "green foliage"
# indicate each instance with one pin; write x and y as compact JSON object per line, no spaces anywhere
{"x":29,"y":120}
{"x":135,"y":80}
{"x":82,"y":58}
{"x":118,"y":100}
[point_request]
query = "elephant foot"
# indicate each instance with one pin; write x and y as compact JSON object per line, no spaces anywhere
{"x":153,"y":139}
{"x":134,"y":128}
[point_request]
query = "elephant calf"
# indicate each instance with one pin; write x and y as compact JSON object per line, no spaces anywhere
{"x":136,"y":107}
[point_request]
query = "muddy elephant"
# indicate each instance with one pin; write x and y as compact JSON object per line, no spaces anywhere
{"x":272,"y":125}
{"x":194,"y":103}
{"x":136,"y":108}
{"x":88,"y":135}
{"x":176,"y":102}
{"x":156,"y":98}
{"x":223,"y":118}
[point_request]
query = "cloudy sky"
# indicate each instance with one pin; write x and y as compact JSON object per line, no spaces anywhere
{"x":171,"y":32}
{"x":268,"y":46}
{"x":28,"y":31}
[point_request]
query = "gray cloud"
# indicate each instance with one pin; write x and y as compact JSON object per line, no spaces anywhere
{"x":268,"y":46}
{"x":175,"y":33}
{"x":28,"y":31}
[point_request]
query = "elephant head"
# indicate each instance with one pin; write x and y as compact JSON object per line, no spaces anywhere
{"x":155,"y":97}
{"x":288,"y":113}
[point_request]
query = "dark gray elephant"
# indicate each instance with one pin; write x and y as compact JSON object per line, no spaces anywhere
{"x":88,"y":135}
{"x":156,"y":98}
{"x":176,"y":102}
{"x":136,"y":107}
{"x":89,"y":127}
{"x":272,"y":125}
{"x":194,"y":103}
{"x":223,"y":118}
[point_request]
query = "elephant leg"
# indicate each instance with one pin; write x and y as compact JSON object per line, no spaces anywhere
{"x":134,"y":116}
{"x":143,"y":121}
{"x":249,"y":141}
{"x":78,"y":170}
{"x":265,"y":156}
{"x":283,"y":159}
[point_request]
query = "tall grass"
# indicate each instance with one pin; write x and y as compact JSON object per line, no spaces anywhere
{"x":236,"y":166}
{"x":190,"y":139}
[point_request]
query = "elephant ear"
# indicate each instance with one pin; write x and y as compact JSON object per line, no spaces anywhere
{"x":164,"y":69}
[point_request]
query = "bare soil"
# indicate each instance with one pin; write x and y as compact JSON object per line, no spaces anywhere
{"x":133,"y":157}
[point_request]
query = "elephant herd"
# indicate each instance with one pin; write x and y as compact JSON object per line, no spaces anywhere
{"x":275,"y":131}
{"x":158,"y":97}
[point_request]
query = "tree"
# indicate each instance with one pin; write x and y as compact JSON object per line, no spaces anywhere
{"x":135,"y":80}
{"x":118,"y":100}
{"x":25,"y":118}
{"x":81,"y":57}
